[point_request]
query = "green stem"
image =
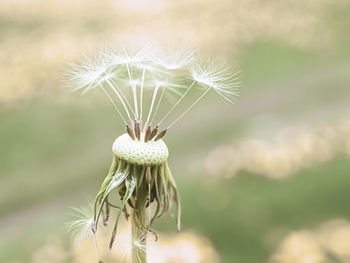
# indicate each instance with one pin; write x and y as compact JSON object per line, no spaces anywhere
{"x":138,"y":246}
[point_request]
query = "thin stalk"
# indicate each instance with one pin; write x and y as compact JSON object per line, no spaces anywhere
{"x":174,"y":106}
{"x":138,"y":247}
{"x":194,"y":103}
{"x":152,"y":103}
{"x":133,"y":88}
{"x":115,"y":106}
{"x":159,"y":101}
{"x":119,"y":97}
{"x":124,"y":97}
{"x":141,"y":91}
{"x":97,"y":249}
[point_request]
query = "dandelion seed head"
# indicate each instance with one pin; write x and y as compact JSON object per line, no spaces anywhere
{"x":139,"y":152}
{"x":135,"y":79}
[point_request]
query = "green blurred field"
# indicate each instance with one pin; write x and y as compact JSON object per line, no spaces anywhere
{"x":56,"y":145}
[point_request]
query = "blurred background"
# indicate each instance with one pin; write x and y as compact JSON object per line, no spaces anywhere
{"x":264,"y":180}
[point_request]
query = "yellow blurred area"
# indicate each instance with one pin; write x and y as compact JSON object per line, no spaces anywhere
{"x":291,"y":119}
{"x":40,"y":36}
{"x":185,"y":247}
{"x":329,"y":243}
{"x":292,"y":148}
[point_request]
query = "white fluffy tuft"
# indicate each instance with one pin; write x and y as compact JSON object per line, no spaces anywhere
{"x":216,"y":74}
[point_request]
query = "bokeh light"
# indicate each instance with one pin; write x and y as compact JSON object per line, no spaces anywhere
{"x":328,"y":243}
{"x":291,"y":123}
{"x":291,"y":149}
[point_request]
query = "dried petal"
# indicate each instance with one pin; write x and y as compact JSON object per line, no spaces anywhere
{"x":130,"y":132}
{"x":154,"y":132}
{"x":160,"y":135}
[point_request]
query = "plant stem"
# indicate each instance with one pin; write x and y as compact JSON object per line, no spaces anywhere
{"x":138,"y":246}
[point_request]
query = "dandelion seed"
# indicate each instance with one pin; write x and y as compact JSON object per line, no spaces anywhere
{"x":89,"y":73}
{"x":139,"y":79}
{"x":175,"y":56}
{"x":217,"y":75}
{"x":122,"y":55}
{"x":82,"y":223}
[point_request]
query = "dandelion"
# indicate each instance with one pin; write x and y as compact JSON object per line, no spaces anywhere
{"x":137,"y":82}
